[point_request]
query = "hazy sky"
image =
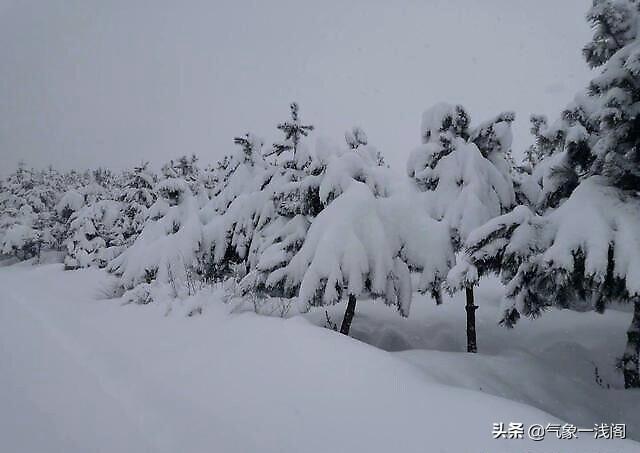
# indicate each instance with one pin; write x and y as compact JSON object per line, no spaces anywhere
{"x":88,"y":83}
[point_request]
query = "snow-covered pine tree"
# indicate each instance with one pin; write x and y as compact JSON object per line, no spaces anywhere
{"x":187,"y":169}
{"x":246,"y":199}
{"x":27,"y":220}
{"x":137,"y":197}
{"x":46,"y":195}
{"x":240,"y":205}
{"x":347,"y":252}
{"x":19,"y":236}
{"x":340,"y":234}
{"x":293,"y":131}
{"x":465,"y":174}
{"x":545,"y":141}
{"x":251,"y":146}
{"x":297,"y":197}
{"x":528,"y":176}
{"x":94,"y":236}
{"x":71,"y":201}
{"x":227,"y":167}
{"x":355,"y":137}
{"x":581,"y":249}
{"x":38,"y":207}
{"x":167,"y":248}
{"x":293,"y":197}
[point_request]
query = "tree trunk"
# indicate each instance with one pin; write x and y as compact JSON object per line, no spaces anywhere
{"x":630,"y":359}
{"x":471,"y":321}
{"x":348,"y":315}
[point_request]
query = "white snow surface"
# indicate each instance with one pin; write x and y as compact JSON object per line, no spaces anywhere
{"x":84,"y":374}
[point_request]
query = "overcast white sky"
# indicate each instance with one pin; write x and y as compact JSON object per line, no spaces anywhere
{"x":87,"y":83}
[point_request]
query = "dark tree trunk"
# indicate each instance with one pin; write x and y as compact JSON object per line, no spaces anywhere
{"x":630,"y":359}
{"x":348,"y":315}
{"x":472,"y":346}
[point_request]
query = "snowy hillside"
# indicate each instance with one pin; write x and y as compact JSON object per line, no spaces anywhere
{"x":138,"y":378}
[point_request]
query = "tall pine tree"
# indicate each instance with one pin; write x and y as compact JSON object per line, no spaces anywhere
{"x":465,"y":175}
{"x":578,"y":246}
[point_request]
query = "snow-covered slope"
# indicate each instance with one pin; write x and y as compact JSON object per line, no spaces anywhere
{"x":80,"y":374}
{"x":563,"y":363}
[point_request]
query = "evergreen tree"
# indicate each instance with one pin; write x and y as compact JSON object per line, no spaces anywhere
{"x":578,"y":247}
{"x":466,"y":176}
{"x":340,"y":235}
{"x":293,"y":131}
{"x":137,"y":196}
{"x":355,"y":137}
{"x":187,"y":169}
{"x":167,"y":248}
{"x":27,"y":220}
{"x":19,"y":236}
{"x":94,"y":235}
{"x":251,"y":146}
{"x":47,"y":210}
{"x":242,"y":207}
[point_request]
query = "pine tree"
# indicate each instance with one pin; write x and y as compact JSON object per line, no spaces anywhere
{"x":578,"y":246}
{"x":167,"y":248}
{"x":346,"y":253}
{"x":340,"y":234}
{"x":298,"y":197}
{"x":466,"y":176}
{"x":241,"y":204}
{"x":293,"y":131}
{"x":137,"y":196}
{"x":28,"y":223}
{"x":94,"y":235}
{"x":251,"y":146}
{"x":355,"y":137}
{"x":20,"y":237}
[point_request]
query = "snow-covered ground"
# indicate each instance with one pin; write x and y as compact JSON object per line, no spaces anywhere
{"x":80,"y":373}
